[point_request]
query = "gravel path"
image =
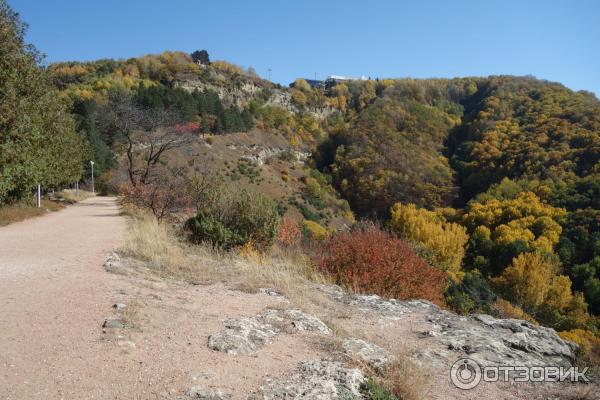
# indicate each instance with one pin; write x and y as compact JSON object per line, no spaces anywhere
{"x":53,"y":295}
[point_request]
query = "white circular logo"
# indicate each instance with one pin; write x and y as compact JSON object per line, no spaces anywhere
{"x":465,"y":373}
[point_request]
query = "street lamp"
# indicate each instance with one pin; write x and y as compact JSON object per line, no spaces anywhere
{"x":92,"y":164}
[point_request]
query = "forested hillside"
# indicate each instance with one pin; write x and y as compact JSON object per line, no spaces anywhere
{"x":513,"y":162}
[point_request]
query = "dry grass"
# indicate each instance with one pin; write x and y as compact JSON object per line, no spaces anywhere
{"x":131,"y":315}
{"x":21,"y":212}
{"x":288,"y":272}
{"x":404,"y":378}
{"x":164,"y":253}
{"x":70,"y":196}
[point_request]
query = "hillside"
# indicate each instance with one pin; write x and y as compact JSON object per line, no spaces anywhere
{"x":480,"y":144}
{"x":248,"y":129}
{"x":509,"y":163}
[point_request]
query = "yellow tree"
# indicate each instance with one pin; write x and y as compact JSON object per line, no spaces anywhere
{"x":444,"y":240}
{"x":527,"y":281}
{"x":503,"y":228}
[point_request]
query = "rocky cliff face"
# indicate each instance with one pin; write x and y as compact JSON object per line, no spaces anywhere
{"x":238,"y":93}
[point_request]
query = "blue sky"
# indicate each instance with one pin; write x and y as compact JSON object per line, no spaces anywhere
{"x":554,"y":40}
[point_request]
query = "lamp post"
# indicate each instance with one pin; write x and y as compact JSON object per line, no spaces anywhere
{"x":92,"y":164}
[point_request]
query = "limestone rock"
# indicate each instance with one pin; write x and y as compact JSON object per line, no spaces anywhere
{"x":370,"y":353}
{"x":199,"y":392}
{"x":316,"y":380}
{"x":487,"y":340}
{"x":245,"y":335}
{"x":242,"y":336}
{"x":113,"y":262}
{"x":113,"y":323}
{"x":269,"y":291}
{"x":294,"y":321}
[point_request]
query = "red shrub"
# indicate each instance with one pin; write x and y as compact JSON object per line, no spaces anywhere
{"x":289,"y":233}
{"x":370,"y":260}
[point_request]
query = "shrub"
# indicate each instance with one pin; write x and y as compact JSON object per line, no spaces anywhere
{"x":472,"y":294}
{"x":371,"y":390}
{"x":289,"y":233}
{"x":371,"y":260}
{"x":314,"y":230}
{"x":445,"y":240}
{"x":507,"y":310}
{"x":227,"y":218}
{"x":589,"y":344}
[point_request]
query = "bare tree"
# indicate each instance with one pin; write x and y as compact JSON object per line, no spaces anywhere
{"x":165,"y":194}
{"x":147,"y":133}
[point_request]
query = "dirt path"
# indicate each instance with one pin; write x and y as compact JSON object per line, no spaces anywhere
{"x":53,"y":293}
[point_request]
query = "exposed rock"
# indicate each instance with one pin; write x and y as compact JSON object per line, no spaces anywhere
{"x":492,"y":341}
{"x":199,"y":392}
{"x":370,"y":303}
{"x":294,"y":321}
{"x":245,"y":335}
{"x":119,"y":306}
{"x":113,"y":323}
{"x":269,"y":291}
{"x":370,"y":353}
{"x":230,"y":96}
{"x":318,"y":380}
{"x":126,"y":343}
{"x":487,"y":340}
{"x":259,"y":154}
{"x":113,"y":262}
{"x":242,"y":336}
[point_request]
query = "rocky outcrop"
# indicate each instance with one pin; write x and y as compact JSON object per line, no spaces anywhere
{"x":318,"y":380}
{"x":259,"y":154}
{"x":491,"y":341}
{"x":242,"y":336}
{"x":238,"y":95}
{"x":487,"y":340}
{"x":245,"y":335}
{"x":371,"y":354}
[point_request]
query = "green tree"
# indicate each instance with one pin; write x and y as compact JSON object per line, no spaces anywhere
{"x":201,"y":56}
{"x":38,"y":139}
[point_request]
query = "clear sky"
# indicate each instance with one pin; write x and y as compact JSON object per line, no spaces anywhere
{"x":554,"y":40}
